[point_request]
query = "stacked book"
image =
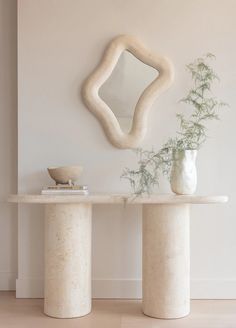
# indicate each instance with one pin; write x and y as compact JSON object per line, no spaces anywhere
{"x":65,"y":190}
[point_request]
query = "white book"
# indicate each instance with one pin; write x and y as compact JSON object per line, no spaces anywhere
{"x":64,"y":192}
{"x":66,"y":187}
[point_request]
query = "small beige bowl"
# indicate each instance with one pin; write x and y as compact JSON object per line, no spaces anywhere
{"x":65,"y":174}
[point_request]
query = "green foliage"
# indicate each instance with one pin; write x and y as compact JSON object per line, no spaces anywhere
{"x":192,"y":131}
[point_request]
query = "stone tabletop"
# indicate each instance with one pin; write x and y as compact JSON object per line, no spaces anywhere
{"x":117,"y":199}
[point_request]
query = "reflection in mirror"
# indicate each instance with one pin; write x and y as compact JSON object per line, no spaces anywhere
{"x":93,"y":89}
{"x":125,"y":85}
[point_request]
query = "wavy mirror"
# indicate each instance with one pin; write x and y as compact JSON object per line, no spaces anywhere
{"x":122,"y":89}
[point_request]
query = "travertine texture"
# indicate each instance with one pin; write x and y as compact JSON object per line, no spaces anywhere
{"x":166,"y":287}
{"x":111,"y":198}
{"x":165,"y":251}
{"x":67,"y":260}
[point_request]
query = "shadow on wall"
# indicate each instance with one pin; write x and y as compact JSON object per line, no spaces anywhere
{"x":8,"y":142}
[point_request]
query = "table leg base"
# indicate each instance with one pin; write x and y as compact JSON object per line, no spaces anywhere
{"x":166,"y":290}
{"x":67,"y":288}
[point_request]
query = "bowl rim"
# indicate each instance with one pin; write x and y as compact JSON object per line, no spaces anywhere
{"x":65,"y":167}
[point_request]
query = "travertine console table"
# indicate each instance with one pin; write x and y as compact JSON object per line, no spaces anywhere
{"x":166,"y":287}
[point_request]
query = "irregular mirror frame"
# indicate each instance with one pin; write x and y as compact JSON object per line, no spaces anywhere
{"x":124,"y":86}
{"x":91,"y":86}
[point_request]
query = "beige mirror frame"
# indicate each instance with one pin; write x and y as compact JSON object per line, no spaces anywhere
{"x":91,"y":86}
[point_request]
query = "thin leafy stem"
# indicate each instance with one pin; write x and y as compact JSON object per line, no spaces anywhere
{"x":192,"y":131}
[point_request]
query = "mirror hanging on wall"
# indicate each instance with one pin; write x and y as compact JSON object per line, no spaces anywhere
{"x":125,"y":85}
{"x":122,"y":89}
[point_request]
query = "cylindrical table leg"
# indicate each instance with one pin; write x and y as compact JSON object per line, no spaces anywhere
{"x":166,"y":263}
{"x":67,"y":287}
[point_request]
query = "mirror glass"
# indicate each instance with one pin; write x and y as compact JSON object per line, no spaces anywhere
{"x":125,"y":85}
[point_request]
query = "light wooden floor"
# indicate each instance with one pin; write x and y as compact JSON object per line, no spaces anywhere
{"x":25,"y":313}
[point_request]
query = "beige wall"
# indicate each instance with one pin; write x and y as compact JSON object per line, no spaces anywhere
{"x":8,"y":143}
{"x":60,"y":41}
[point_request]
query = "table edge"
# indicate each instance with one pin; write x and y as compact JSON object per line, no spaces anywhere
{"x":116,"y":199}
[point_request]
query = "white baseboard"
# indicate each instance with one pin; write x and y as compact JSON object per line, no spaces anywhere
{"x":110,"y":288}
{"x":213,"y":289}
{"x":29,"y":288}
{"x":8,"y":280}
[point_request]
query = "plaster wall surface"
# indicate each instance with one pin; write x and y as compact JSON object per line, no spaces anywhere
{"x":59,"y":43}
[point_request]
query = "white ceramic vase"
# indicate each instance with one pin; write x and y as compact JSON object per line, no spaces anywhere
{"x":183,"y":178}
